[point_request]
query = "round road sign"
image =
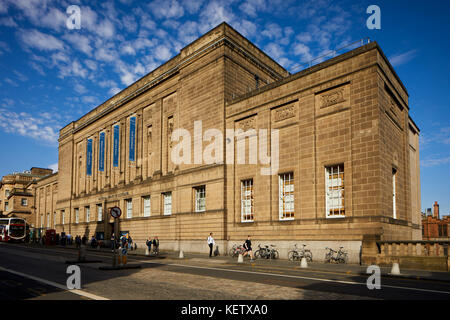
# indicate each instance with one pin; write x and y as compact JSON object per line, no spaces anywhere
{"x":115,"y":212}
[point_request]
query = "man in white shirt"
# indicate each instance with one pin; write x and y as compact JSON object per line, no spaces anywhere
{"x":211,"y":243}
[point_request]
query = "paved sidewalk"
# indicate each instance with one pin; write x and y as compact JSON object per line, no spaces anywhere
{"x":352,"y":269}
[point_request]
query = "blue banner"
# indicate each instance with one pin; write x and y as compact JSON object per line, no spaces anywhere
{"x":89,"y":158}
{"x":116,"y":146}
{"x":132,"y":138}
{"x":101,"y":152}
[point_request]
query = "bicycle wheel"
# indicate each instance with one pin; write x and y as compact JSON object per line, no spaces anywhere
{"x":257,"y":254}
{"x":232,"y":252}
{"x":328,"y":257}
{"x":274,"y":254}
{"x":308,"y":256}
{"x":293,"y":255}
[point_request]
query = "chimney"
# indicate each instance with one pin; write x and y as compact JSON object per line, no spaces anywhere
{"x":436,"y":210}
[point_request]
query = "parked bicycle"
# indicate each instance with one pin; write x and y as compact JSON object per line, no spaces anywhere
{"x":339,"y":256}
{"x":236,"y":250}
{"x":266,"y":252}
{"x":298,"y":254}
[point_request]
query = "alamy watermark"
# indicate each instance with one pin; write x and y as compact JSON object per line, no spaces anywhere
{"x":374,"y":21}
{"x":74,"y":280}
{"x":374,"y":281}
{"x":74,"y":19}
{"x":213,"y":153}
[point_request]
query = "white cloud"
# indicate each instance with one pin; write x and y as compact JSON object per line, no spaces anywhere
{"x":80,"y":42}
{"x":20,"y":76}
{"x":304,"y":51}
{"x":54,"y":167}
{"x":166,"y":9}
{"x":80,"y":88}
{"x":105,"y":29}
{"x":11,"y":82}
{"x":8,"y":22}
{"x":162,"y":53}
{"x":27,"y":125}
{"x":41,"y":41}
{"x":402,"y":58}
{"x":192,"y":6}
{"x":434,"y":162}
{"x":250,"y":7}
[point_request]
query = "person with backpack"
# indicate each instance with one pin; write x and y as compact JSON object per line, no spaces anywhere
{"x":211,"y":243}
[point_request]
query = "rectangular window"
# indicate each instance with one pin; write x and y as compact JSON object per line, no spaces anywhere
{"x":99,"y":212}
{"x":200,"y":199}
{"x":24,"y":202}
{"x":48,"y":220}
{"x":88,"y":213}
{"x":394,"y":205}
{"x":286,"y":196}
{"x":6,"y":206}
{"x":441,"y":230}
{"x":146,"y":204}
{"x":42,"y":220}
{"x":77,"y":215}
{"x":334,"y":188}
{"x":63,"y":217}
{"x":54,"y":219}
{"x":129,"y":204}
{"x":167,"y":198}
{"x":247,"y":200}
{"x":7,"y":193}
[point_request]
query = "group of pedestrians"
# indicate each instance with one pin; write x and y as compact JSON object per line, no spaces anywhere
{"x":247,"y":246}
{"x":153,"y":242}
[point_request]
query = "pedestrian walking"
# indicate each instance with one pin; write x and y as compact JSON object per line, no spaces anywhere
{"x":113,"y":242}
{"x":149,"y":244}
{"x":211,"y":244}
{"x":248,"y":248}
{"x":156,"y":245}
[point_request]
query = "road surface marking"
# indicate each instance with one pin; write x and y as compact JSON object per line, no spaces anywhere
{"x":56,"y":285}
{"x":298,"y":277}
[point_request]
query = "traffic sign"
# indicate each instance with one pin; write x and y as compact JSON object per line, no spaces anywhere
{"x":115,"y":212}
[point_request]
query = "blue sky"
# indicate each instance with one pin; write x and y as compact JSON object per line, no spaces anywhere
{"x":50,"y":75}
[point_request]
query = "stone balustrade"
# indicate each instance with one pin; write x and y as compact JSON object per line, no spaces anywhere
{"x":413,"y":248}
{"x":427,"y":255}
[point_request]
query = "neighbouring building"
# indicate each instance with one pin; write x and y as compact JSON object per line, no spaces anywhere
{"x":433,"y":227}
{"x":347,"y":167}
{"x":17,"y":195}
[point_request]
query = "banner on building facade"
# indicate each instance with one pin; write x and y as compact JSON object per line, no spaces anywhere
{"x":132,"y":138}
{"x":116,"y":146}
{"x":89,"y":158}
{"x":101,"y":152}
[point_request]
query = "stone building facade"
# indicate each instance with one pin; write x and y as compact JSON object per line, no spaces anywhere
{"x":347,"y":166}
{"x":17,"y":194}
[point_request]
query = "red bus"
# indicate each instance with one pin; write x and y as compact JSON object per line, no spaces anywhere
{"x":13,"y":229}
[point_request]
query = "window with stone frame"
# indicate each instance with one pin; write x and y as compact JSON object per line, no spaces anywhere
{"x":99,"y":212}
{"x":129,"y":207}
{"x":147,"y":206}
{"x":200,"y":198}
{"x":167,"y":203}
{"x":286,"y":196}
{"x":334,"y":190}
{"x":87,"y":209}
{"x":77,"y":215}
{"x":247,"y":205}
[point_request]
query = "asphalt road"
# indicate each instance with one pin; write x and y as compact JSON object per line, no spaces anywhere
{"x":40,"y":273}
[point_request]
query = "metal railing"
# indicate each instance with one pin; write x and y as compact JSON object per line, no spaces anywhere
{"x":331,"y":54}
